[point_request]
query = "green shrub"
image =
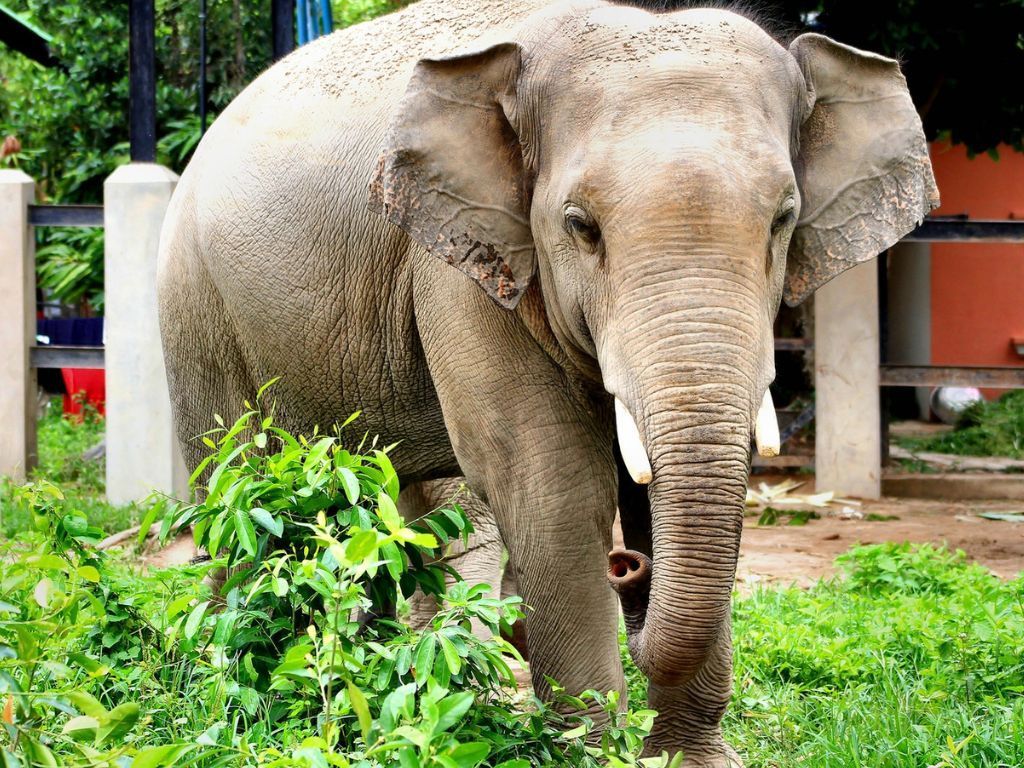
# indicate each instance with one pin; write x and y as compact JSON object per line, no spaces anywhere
{"x":294,"y":660}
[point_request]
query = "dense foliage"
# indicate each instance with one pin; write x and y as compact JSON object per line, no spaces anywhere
{"x":293,"y":661}
{"x":985,"y":429}
{"x":914,"y":658}
{"x":72,"y":121}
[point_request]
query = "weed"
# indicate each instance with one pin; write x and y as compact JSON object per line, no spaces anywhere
{"x":62,"y":441}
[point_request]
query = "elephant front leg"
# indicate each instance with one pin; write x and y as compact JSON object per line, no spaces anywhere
{"x":571,"y":615}
{"x":690,"y":715}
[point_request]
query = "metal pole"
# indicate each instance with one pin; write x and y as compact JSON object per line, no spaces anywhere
{"x":142,"y":75}
{"x":202,"y":66}
{"x":283,"y":23}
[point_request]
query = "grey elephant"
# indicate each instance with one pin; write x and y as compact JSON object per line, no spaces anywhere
{"x":509,"y":232}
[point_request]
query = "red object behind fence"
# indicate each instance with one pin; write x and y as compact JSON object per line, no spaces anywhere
{"x":91,"y":387}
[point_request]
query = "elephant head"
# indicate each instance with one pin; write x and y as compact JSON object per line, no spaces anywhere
{"x":667,"y":178}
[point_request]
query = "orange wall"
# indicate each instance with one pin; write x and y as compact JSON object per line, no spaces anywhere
{"x":977,"y":289}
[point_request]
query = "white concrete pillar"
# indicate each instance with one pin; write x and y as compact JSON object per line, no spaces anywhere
{"x":142,"y":449}
{"x":17,"y":326}
{"x":848,"y":430}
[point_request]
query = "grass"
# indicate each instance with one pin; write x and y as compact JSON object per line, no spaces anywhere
{"x":913,"y":657}
{"x":61,"y":443}
{"x":985,"y":429}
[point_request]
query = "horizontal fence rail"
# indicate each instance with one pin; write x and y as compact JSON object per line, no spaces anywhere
{"x":955,"y":229}
{"x":65,"y":215}
{"x":992,"y":377}
{"x":60,"y":356}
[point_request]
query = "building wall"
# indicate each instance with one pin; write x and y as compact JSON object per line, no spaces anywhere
{"x":977,"y":289}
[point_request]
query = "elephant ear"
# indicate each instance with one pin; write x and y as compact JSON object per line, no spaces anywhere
{"x":863,"y":169}
{"x":451,"y":172}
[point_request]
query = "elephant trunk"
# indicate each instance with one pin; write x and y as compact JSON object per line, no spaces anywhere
{"x":677,"y":604}
{"x":695,"y":421}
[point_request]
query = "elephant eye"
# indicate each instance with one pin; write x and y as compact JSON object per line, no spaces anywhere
{"x":785,"y":215}
{"x":783,"y":219}
{"x":581,"y":225}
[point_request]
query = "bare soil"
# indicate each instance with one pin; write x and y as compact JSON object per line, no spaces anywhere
{"x":788,"y":554}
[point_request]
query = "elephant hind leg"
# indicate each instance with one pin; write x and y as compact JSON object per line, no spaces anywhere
{"x":206,"y":371}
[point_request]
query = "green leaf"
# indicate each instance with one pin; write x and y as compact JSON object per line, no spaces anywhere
{"x":39,"y":754}
{"x":390,"y":476}
{"x":389,"y":513}
{"x":575,"y":733}
{"x":362,"y":710}
{"x":81,"y":728}
{"x":349,"y":484}
{"x":89,"y":573}
{"x":451,"y":708}
{"x":163,"y":756}
{"x":246,"y":533}
{"x":195,"y":619}
{"x":272,"y":524}
{"x":87,"y":704}
{"x":118,"y":722}
{"x":265,"y":387}
{"x":361,"y":546}
{"x":470,"y":754}
{"x":423,"y":662}
{"x":451,"y":655}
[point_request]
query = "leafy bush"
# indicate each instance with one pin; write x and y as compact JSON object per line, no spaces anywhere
{"x":71,"y":121}
{"x":985,"y":429}
{"x":296,"y":660}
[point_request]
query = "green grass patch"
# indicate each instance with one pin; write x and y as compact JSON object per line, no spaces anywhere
{"x":61,"y":443}
{"x":915,"y":657}
{"x":985,"y":429}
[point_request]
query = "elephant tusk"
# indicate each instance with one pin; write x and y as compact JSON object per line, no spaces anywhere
{"x":766,"y":428}
{"x":634,"y":456}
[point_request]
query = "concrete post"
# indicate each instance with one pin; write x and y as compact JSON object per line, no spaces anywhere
{"x":17,"y":326}
{"x":142,"y":449}
{"x":848,"y":409}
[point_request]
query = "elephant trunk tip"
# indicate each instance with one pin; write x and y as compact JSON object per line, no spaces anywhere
{"x":628,"y":570}
{"x":629,"y":573}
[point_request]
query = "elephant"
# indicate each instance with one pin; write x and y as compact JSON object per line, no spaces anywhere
{"x":518,"y":235}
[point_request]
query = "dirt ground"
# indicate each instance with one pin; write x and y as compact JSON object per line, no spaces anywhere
{"x":786,"y":554}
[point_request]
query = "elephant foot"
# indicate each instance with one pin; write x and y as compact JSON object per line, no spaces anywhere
{"x":713,"y":754}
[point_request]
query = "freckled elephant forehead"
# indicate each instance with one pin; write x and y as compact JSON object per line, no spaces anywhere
{"x":628,"y":61}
